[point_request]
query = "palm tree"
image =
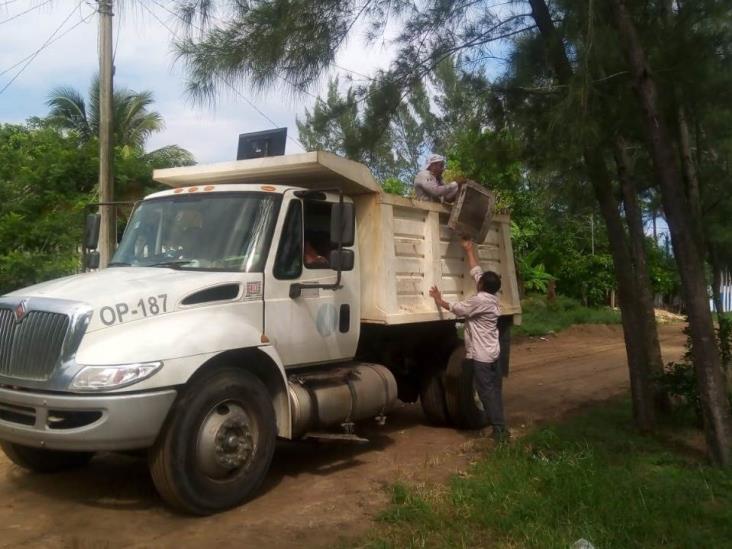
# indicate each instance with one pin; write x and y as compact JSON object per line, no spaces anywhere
{"x":132,"y":120}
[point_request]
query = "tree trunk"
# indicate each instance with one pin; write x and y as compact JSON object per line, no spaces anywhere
{"x":707,"y":362}
{"x":642,"y":393}
{"x":634,"y":327}
{"x":693,"y":189}
{"x":634,"y":219}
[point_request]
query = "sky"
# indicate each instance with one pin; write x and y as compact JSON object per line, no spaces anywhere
{"x":143,"y":61}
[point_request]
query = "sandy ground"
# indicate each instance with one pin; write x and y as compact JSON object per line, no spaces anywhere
{"x":316,"y":494}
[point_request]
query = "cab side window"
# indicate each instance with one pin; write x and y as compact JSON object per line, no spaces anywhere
{"x":288,"y":263}
{"x":317,"y":234}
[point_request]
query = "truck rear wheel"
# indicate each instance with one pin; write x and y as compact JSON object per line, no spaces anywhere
{"x":432,"y":397}
{"x":463,"y":404}
{"x":41,"y":460}
{"x":217,"y":445}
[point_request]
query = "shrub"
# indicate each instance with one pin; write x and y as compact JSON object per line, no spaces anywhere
{"x":541,"y":317}
{"x":679,"y":379}
{"x":392,"y":185}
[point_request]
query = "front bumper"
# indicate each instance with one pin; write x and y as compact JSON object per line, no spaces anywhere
{"x":83,"y":422}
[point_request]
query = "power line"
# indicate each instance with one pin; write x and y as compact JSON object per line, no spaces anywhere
{"x":229,"y":84}
{"x":43,"y":46}
{"x":5,"y":4}
{"x":26,"y":11}
{"x":67,"y":31}
{"x":353,"y":72}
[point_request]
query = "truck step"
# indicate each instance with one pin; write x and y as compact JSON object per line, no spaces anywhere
{"x":347,"y":437}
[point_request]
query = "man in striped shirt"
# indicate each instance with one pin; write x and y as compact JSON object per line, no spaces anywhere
{"x":481,"y":313}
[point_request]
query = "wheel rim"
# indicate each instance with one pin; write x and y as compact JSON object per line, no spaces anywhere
{"x":226,"y":442}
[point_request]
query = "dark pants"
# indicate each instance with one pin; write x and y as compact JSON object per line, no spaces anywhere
{"x":489,"y":384}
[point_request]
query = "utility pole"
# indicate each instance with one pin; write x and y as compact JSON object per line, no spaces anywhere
{"x":108,"y":232}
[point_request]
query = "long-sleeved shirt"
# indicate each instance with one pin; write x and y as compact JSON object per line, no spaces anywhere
{"x":427,"y":187}
{"x":481,"y":314}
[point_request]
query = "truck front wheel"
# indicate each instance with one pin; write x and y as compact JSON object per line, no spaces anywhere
{"x":41,"y":460}
{"x":217,"y":445}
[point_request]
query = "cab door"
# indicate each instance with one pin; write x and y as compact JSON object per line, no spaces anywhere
{"x":318,"y":325}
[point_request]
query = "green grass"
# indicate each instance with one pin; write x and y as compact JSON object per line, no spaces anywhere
{"x":541,"y":318}
{"x":591,"y":477}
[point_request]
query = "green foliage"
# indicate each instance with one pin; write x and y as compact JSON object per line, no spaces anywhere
{"x":132,"y":120}
{"x":389,"y":130}
{"x":680,"y":382}
{"x":492,"y":157}
{"x":133,"y":168}
{"x":392,"y":185}
{"x":532,"y":273}
{"x":591,"y":477}
{"x":724,"y":336}
{"x":541,"y":317}
{"x":662,"y":268}
{"x":45,"y":179}
{"x":561,"y":246}
{"x":133,"y":124}
{"x":353,"y":125}
{"x":589,"y":278}
{"x":49,"y":172}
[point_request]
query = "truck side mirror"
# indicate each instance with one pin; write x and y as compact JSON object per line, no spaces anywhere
{"x":342,"y":260}
{"x":342,"y":224}
{"x":91,"y":261}
{"x":91,"y":231}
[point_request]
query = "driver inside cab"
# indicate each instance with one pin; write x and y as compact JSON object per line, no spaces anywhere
{"x":315,"y":250}
{"x":189,"y":234}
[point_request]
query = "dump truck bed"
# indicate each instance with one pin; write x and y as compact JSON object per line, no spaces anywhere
{"x":405,"y":245}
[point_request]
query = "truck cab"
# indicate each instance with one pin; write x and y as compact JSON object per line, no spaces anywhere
{"x":275,"y":297}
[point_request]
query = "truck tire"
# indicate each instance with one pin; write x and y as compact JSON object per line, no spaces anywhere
{"x":41,"y":460}
{"x":432,"y":397}
{"x":217,"y":444}
{"x":463,"y":405}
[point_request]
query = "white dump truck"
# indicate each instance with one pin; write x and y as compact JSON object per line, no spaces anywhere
{"x":275,"y":297}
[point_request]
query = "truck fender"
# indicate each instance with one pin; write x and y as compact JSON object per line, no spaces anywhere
{"x":265,"y":363}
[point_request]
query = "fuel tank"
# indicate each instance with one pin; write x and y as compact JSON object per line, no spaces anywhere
{"x":342,"y":395}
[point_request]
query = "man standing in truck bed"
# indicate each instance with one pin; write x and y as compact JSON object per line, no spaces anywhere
{"x":428,"y":184}
{"x":481,"y":313}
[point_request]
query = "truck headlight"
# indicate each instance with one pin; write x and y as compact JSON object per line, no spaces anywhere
{"x":98,"y":378}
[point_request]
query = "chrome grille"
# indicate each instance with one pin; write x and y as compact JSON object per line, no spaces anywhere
{"x":31,"y":348}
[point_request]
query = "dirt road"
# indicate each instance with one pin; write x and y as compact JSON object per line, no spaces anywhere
{"x":316,"y":493}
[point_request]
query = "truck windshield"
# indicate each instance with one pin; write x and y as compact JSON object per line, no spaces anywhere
{"x":211,"y":232}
